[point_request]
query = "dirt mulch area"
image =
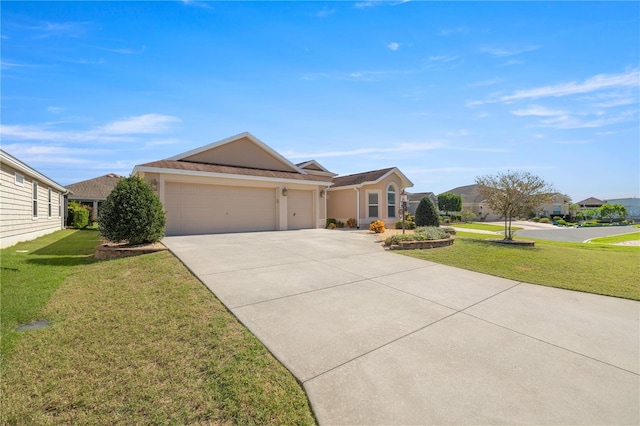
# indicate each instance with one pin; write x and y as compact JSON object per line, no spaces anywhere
{"x":109,"y":250}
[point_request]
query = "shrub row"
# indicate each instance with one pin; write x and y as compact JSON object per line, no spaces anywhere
{"x":78,"y":216}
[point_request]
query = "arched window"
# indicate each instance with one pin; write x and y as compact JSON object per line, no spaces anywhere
{"x":391,"y":201}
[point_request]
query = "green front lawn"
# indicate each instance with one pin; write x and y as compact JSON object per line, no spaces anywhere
{"x":616,"y":238}
{"x":593,"y":268}
{"x":137,"y":340}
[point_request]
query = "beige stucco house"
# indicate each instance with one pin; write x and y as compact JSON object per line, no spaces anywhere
{"x":238,"y":184}
{"x":31,"y":204}
{"x":368,"y":196}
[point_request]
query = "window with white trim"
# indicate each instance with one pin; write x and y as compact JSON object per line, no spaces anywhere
{"x":391,"y":201}
{"x":34,"y":186}
{"x":373,"y":204}
{"x":49,"y":203}
{"x":19,"y":179}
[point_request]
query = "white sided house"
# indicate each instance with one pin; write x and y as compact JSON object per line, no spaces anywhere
{"x":238,"y":184}
{"x":31,"y":204}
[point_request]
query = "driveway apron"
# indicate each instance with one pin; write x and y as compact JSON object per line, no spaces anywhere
{"x":380,"y":338}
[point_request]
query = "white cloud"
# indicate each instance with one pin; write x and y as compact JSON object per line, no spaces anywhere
{"x":443,"y":58}
{"x":56,"y":110}
{"x":325,"y":12}
{"x":461,"y":132}
{"x":401,"y":148}
{"x":538,"y":111}
{"x":124,"y":51}
{"x":141,"y":124}
{"x":502,"y":52}
{"x":202,"y":4}
{"x":596,"y":83}
{"x":116,"y":131}
{"x":393,"y":46}
{"x":449,"y":31}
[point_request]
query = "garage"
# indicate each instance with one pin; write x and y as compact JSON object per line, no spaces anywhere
{"x":212,"y":209}
{"x":300,"y":209}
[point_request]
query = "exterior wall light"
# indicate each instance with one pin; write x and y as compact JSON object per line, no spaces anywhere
{"x":284,"y":191}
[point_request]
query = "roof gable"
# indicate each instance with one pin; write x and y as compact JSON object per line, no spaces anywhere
{"x":313,"y":167}
{"x":371,"y":177}
{"x":243,"y":150}
{"x":591,"y":201}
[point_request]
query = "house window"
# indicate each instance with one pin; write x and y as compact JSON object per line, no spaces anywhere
{"x":557,"y":209}
{"x":391,"y":201}
{"x":373,"y":199}
{"x":49,"y":203}
{"x":35,"y":199}
{"x":19,"y":179}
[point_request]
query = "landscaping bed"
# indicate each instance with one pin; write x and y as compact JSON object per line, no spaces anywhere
{"x":428,"y":244}
{"x":114,"y":250}
{"x":522,"y":243}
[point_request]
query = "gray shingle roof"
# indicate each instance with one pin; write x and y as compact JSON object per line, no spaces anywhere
{"x":98,"y":188}
{"x":359,"y":178}
{"x":233,"y":170}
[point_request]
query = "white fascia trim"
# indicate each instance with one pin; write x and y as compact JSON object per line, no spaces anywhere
{"x":235,"y":138}
{"x":138,"y":169}
{"x":23,"y":168}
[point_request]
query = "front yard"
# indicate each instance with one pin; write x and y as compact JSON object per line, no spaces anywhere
{"x":137,"y":340}
{"x":593,"y":268}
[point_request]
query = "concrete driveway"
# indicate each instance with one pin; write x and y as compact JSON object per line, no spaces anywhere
{"x":380,"y":338}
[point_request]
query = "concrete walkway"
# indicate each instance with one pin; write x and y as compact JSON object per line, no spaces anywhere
{"x":380,"y":338}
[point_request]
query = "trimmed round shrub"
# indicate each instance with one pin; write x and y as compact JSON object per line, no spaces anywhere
{"x":426,"y":214}
{"x":544,"y":220}
{"x":407,"y":224}
{"x":132,"y":213}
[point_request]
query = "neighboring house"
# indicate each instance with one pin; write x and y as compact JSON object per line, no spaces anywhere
{"x":631,"y":204}
{"x":559,"y":206}
{"x":473,"y":202}
{"x":367,"y":197}
{"x":93,"y":192}
{"x":238,"y":184}
{"x":31,"y":204}
{"x":414,"y":200}
{"x":590,"y":203}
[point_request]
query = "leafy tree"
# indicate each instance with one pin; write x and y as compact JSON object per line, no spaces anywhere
{"x":612,"y":211}
{"x":449,"y":202}
{"x":426,"y":214}
{"x":573,"y":210}
{"x":513,"y":194}
{"x":133,"y":213}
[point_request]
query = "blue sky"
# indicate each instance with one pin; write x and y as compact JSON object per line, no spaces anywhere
{"x":446,"y":91}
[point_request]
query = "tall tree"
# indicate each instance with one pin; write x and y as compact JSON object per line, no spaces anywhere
{"x":513,"y":194}
{"x":573,"y":210}
{"x":449,"y":202}
{"x":426,"y":214}
{"x":612,"y":211}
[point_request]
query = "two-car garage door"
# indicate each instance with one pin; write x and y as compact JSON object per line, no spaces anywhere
{"x":210,"y":209}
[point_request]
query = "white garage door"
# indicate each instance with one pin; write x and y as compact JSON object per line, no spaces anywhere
{"x":212,"y":209}
{"x":299,"y":209}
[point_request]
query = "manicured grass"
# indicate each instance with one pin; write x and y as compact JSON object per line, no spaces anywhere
{"x":593,"y":268}
{"x":616,"y":238}
{"x":140,"y":340}
{"x":32,"y":271}
{"x":483,"y":226}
